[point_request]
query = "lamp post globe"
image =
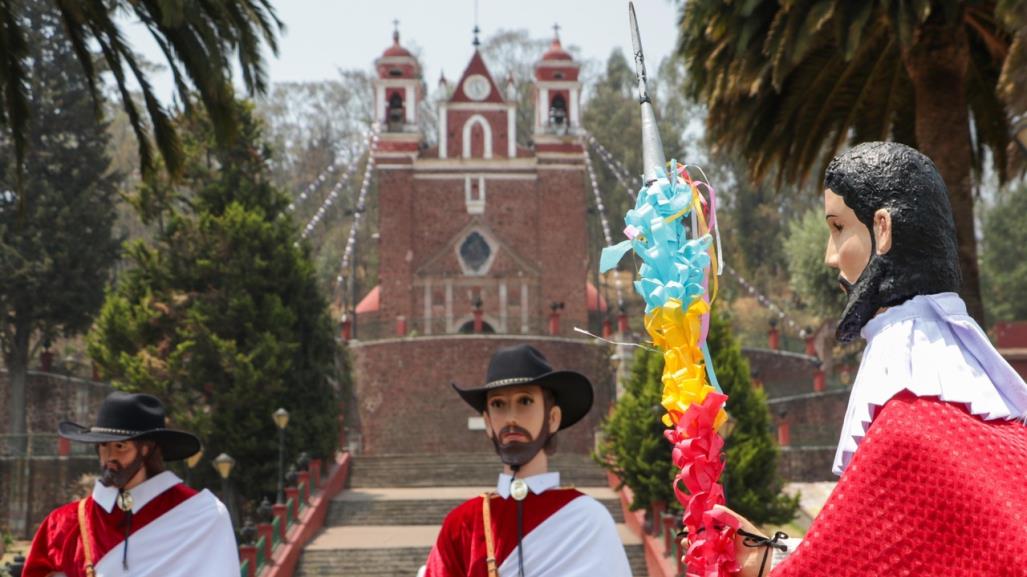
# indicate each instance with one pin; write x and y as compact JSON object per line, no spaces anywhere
{"x":281,"y":419}
{"x":224,"y":464}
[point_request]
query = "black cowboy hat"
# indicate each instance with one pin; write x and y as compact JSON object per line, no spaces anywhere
{"x":133,"y":416}
{"x":525,"y":365}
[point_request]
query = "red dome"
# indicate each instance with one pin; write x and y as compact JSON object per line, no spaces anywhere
{"x":556,"y":52}
{"x":396,"y":49}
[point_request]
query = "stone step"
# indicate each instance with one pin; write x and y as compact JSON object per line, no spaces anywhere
{"x":399,"y":562}
{"x":421,"y":506}
{"x":454,"y":470}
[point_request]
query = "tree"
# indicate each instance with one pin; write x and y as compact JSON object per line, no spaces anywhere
{"x":634,"y":446}
{"x":199,"y":40}
{"x":221,"y":315}
{"x":788,"y":83}
{"x":57,"y":245}
{"x":1004,"y":272}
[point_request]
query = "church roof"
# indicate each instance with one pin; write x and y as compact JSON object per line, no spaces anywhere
{"x":556,"y":52}
{"x":476,"y":66}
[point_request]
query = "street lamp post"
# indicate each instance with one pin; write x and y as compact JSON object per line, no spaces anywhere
{"x":224,"y":463}
{"x":281,"y":418}
{"x":190,"y":464}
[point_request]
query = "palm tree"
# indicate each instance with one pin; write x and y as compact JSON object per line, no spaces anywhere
{"x":198,"y":38}
{"x":789,"y":82}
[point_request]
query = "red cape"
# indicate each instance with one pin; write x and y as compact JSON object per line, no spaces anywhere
{"x":932,"y":490}
{"x":57,"y":546}
{"x":460,"y":548}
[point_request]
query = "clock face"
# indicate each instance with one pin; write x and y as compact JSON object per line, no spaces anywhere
{"x":477,"y":87}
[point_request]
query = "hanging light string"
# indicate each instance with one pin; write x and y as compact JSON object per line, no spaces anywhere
{"x":612,"y":164}
{"x":317,"y":182}
{"x":766,"y":302}
{"x":607,"y":237}
{"x":370,"y":142}
{"x":365,"y":185}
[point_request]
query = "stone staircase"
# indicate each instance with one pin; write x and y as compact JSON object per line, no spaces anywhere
{"x":385,"y":523}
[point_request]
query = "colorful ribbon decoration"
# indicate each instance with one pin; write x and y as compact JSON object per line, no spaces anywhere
{"x":675,"y":282}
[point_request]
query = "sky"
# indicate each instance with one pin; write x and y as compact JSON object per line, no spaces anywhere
{"x":323,"y":36}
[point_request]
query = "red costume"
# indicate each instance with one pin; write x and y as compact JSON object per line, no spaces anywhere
{"x":932,"y":490}
{"x":175,"y":531}
{"x":566,"y":534}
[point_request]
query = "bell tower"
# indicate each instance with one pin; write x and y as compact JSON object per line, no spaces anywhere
{"x":398,"y":88}
{"x":557,"y":91}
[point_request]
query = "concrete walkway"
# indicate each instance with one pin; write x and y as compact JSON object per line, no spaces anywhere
{"x":395,"y":536}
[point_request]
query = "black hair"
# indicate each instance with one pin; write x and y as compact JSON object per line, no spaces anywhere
{"x":923,"y":258}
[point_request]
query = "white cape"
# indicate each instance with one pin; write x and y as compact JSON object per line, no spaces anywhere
{"x":194,"y":539}
{"x":930,"y":347}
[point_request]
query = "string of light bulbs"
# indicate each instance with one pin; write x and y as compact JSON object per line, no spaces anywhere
{"x":766,"y":302}
{"x":611,"y":163}
{"x":365,"y":185}
{"x":601,"y":209}
{"x":369,"y":144}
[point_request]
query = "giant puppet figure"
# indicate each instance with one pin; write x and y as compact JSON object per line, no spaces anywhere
{"x":933,"y":447}
{"x":140,"y":520}
{"x":529,"y":526}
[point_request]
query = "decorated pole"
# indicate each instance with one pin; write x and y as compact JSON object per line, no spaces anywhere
{"x":672,"y":229}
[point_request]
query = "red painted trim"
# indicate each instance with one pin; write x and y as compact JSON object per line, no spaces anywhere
{"x":287,"y":555}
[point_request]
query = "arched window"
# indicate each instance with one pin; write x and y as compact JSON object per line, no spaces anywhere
{"x":558,"y":112}
{"x":477,"y":129}
{"x":395,"y":113}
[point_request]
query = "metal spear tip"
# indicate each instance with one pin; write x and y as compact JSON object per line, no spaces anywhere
{"x":653,"y":159}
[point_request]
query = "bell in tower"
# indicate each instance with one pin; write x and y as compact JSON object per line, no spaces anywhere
{"x":557,"y":91}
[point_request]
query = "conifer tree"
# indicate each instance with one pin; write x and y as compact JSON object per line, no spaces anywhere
{"x":221,"y":315}
{"x":634,"y":446}
{"x":57,"y":243}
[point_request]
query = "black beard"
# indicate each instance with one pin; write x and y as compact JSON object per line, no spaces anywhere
{"x":518,"y":454}
{"x":122,"y":475}
{"x":864,"y":298}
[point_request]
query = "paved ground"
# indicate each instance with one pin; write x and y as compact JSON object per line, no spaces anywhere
{"x":392,"y":536}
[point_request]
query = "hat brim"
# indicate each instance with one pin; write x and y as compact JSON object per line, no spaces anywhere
{"x":174,"y":445}
{"x":572,"y":390}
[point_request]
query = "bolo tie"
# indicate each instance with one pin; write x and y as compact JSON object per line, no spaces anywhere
{"x":519,"y":491}
{"x":125,"y":504}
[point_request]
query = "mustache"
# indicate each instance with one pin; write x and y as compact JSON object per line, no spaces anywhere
{"x":514,"y":429}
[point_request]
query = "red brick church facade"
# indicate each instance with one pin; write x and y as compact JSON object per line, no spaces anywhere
{"x":482,"y":243}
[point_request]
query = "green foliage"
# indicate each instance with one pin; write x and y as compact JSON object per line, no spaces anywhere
{"x":815,"y":282}
{"x":199,"y":39}
{"x":633,"y":443}
{"x":221,"y":316}
{"x":1003,"y":267}
{"x":751,"y":482}
{"x":57,"y":246}
{"x":612,"y":116}
{"x":634,"y":446}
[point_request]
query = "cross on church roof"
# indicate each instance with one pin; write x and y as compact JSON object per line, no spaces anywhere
{"x":556,"y":31}
{"x":395,"y":31}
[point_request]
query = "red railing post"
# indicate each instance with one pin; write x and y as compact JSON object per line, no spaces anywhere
{"x":304,"y":481}
{"x":401,"y":326}
{"x":293,"y":494}
{"x":818,"y":380}
{"x":315,"y":473}
{"x":266,"y":531}
{"x":63,"y":447}
{"x":347,"y":329}
{"x":249,"y":553}
{"x":784,"y":434}
{"x":283,"y":520}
